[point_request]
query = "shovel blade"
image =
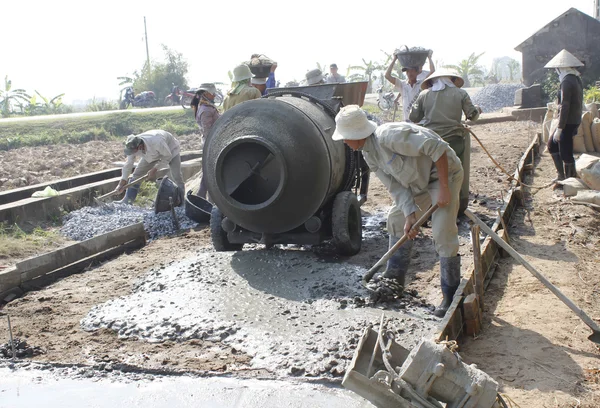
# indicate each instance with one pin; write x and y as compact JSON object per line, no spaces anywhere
{"x":595,"y":337}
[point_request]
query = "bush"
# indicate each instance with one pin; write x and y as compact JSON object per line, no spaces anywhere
{"x":591,"y":94}
{"x":550,"y":86}
{"x":96,"y":106}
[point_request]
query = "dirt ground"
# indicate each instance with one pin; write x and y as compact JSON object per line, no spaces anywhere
{"x":532,"y":343}
{"x":32,"y":165}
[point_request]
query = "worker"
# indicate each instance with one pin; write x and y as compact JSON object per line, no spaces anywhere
{"x":241,"y":90}
{"x":206,"y":115}
{"x":440,"y":108}
{"x":418,"y":168}
{"x":314,"y":77}
{"x":334,"y":77}
{"x":410,"y":88}
{"x":262,"y":84}
{"x":157,"y":148}
{"x":570,"y":105}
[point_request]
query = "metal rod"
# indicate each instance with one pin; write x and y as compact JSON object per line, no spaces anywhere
{"x":12,"y":342}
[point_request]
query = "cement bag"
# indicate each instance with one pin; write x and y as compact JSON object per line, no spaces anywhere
{"x":546,"y":124}
{"x":588,"y":196}
{"x":586,"y":122}
{"x":586,"y":160}
{"x":596,"y":134}
{"x":593,"y":108}
{"x":591,"y":176}
{"x":553,"y":127}
{"x":578,"y":143}
{"x":572,"y":185}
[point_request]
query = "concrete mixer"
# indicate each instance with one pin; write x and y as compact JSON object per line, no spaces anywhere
{"x":276,"y":176}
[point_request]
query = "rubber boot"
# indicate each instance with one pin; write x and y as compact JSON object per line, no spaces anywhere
{"x":570,"y":170}
{"x":450,"y":279}
{"x":397,"y":265}
{"x":463,"y":205}
{"x":130,"y":194}
{"x":559,"y":167}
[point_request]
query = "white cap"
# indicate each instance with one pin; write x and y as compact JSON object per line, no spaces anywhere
{"x":241,"y":72}
{"x":259,"y":81}
{"x":351,"y":123}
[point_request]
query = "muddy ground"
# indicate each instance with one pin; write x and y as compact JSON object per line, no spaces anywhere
{"x":32,"y":165}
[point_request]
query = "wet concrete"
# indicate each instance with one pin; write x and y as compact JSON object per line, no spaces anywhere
{"x":34,"y":388}
{"x":297,"y":314}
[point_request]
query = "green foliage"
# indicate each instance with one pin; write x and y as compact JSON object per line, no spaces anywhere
{"x":591,"y":94}
{"x":514,"y":70}
{"x":146,"y":194}
{"x":366,"y":72}
{"x":95,"y":106}
{"x":82,"y":129}
{"x":161,"y":76}
{"x":550,"y":86}
{"x":469,"y":69}
{"x":15,"y":242}
{"x":9,"y":98}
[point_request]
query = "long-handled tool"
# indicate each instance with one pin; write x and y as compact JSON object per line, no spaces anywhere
{"x":98,"y":200}
{"x":595,"y":336}
{"x":371,"y":272}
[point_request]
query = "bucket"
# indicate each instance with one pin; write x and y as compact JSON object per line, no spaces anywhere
{"x":197,"y":208}
{"x":260,"y":71}
{"x":410,"y":58}
{"x":166,"y":189}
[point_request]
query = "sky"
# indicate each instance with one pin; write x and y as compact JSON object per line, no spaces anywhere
{"x":79,"y":48}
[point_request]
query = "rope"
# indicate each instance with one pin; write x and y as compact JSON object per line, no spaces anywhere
{"x":502,"y":168}
{"x":502,"y":398}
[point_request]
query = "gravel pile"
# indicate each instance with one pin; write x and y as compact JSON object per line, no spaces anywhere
{"x":494,"y":97}
{"x":22,"y":349}
{"x":88,"y":222}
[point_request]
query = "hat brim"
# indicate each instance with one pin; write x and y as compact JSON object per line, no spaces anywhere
{"x":259,"y":81}
{"x":458,"y":81}
{"x":355,"y":134}
{"x":314,"y":80}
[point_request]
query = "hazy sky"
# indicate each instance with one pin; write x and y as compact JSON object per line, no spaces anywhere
{"x":80,"y":47}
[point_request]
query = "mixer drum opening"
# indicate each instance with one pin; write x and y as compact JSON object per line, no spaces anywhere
{"x":250,"y":172}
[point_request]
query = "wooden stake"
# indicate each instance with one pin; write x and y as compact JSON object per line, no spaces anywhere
{"x":478,"y":264}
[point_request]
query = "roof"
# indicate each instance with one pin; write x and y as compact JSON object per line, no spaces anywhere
{"x":551,"y":23}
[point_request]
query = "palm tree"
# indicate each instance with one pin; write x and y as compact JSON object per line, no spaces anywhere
{"x":468,"y":69}
{"x":10,"y":97}
{"x":367,"y":70}
{"x":51,"y":106}
{"x":514,"y":70}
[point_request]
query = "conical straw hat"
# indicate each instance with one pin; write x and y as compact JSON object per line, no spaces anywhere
{"x":442,"y":72}
{"x":564,"y":59}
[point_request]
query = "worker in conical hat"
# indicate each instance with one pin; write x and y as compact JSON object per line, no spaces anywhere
{"x":570,"y":106}
{"x":241,"y":90}
{"x":440,"y":107}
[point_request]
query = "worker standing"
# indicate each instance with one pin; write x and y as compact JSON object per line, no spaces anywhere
{"x":314,"y":77}
{"x":334,"y":77}
{"x":262,"y":84}
{"x":157,"y":148}
{"x":206,"y":115}
{"x":410,"y":88}
{"x":440,"y":108}
{"x":418,"y":168}
{"x":570,"y":106}
{"x":241,"y":90}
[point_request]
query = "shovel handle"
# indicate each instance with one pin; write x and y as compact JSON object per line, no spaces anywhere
{"x":369,"y":275}
{"x":112,"y":193}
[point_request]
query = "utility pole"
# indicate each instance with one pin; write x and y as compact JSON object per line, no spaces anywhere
{"x":597,"y":9}
{"x":148,"y":52}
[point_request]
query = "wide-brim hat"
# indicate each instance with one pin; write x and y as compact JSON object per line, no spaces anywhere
{"x":564,"y":59}
{"x":131,"y":144}
{"x":208,"y":87}
{"x":259,"y":81}
{"x":314,"y":76}
{"x":241,"y":73}
{"x":351,"y":123}
{"x":439,"y":73}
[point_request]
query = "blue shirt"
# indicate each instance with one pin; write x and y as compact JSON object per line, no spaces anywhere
{"x":270,"y":82}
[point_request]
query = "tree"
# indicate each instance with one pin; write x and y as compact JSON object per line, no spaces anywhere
{"x":514,"y":70}
{"x":11,"y":97}
{"x":367,"y":71}
{"x":469,"y":69}
{"x":160,"y":76}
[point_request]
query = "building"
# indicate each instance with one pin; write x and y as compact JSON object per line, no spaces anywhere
{"x":574,"y":31}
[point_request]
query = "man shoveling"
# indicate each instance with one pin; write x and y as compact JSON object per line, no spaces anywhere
{"x":157,"y":149}
{"x":418,"y":168}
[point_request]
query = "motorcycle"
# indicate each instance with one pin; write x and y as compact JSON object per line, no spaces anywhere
{"x":386,"y":101}
{"x":144,"y":99}
{"x":175,"y":97}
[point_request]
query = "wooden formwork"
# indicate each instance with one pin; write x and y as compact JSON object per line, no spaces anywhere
{"x":481,"y":271}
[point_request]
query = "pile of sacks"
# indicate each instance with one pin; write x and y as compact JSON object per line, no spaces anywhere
{"x":587,"y":138}
{"x":586,"y":188}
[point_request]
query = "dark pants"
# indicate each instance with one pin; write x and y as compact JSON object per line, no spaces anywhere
{"x":565,"y":146}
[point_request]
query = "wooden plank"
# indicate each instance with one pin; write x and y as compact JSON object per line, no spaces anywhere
{"x":477,"y":264}
{"x":452,"y":324}
{"x":10,"y":278}
{"x":33,"y":267}
{"x":82,"y":265}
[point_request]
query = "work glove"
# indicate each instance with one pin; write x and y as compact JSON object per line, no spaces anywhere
{"x":556,"y":135}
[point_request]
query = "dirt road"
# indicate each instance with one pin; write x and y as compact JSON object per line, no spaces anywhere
{"x":86,"y":114}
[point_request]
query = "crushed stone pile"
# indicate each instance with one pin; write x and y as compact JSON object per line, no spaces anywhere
{"x":88,"y":222}
{"x":22,"y":349}
{"x":492,"y":98}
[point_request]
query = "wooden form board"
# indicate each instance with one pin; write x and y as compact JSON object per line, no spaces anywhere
{"x":452,"y":326}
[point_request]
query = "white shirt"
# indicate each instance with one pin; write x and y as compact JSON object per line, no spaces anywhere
{"x":161,"y":148}
{"x":337,"y":79}
{"x":409,"y":92}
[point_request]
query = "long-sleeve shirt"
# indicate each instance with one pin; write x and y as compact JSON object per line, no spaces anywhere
{"x":407,"y":153}
{"x":270,"y":82}
{"x":336,"y":79}
{"x":246,"y":94}
{"x":442,"y":111}
{"x":409,"y":93}
{"x":206,"y":116}
{"x":570,"y":101}
{"x":161,"y":147}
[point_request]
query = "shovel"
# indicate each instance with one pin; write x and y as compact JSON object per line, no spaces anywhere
{"x":98,"y":200}
{"x":371,"y":272}
{"x":595,"y":336}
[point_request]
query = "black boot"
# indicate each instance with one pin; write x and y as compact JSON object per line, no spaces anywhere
{"x":397,"y":266}
{"x":450,"y":279}
{"x":130,"y":194}
{"x":570,"y":170}
{"x":464,"y":204}
{"x":559,"y":167}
